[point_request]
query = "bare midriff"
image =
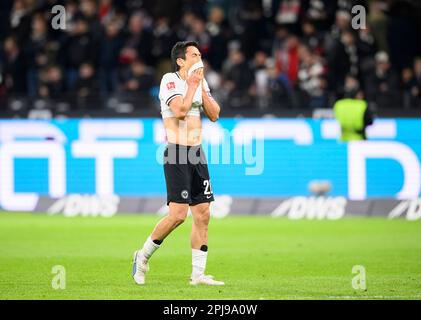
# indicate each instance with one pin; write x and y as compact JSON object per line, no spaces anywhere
{"x":187,"y":132}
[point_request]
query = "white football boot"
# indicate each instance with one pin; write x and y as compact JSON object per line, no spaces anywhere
{"x":140,"y":267}
{"x":205,"y":279}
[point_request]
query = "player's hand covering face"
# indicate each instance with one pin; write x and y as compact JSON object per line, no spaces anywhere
{"x":195,"y":78}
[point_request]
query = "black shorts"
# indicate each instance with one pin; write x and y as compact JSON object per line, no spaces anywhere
{"x":187,"y":175}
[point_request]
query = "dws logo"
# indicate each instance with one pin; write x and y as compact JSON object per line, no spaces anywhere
{"x":412,"y":208}
{"x":86,"y":206}
{"x":331,"y":208}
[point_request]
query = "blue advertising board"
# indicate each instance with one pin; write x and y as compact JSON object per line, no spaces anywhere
{"x":247,"y":157}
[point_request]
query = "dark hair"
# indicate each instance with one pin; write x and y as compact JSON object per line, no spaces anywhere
{"x":179,"y":51}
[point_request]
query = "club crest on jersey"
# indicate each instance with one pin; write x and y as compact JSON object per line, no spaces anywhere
{"x":171,"y":85}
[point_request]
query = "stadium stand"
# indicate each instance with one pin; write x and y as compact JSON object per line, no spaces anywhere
{"x":276,"y":57}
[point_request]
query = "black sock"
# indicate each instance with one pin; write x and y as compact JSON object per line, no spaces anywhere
{"x":158,"y":242}
{"x":204,"y":248}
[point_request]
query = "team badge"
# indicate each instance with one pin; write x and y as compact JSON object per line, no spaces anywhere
{"x":184,"y":194}
{"x":171,"y":85}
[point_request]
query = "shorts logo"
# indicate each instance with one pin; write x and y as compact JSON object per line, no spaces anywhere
{"x":184,"y":194}
{"x":170,"y":85}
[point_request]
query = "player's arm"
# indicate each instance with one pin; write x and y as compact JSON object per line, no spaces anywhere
{"x":181,"y":105}
{"x":211,"y":108}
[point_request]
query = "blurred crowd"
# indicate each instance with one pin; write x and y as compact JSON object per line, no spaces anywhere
{"x":258,"y":54}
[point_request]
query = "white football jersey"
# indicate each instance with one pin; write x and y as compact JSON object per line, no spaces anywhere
{"x":172,"y":86}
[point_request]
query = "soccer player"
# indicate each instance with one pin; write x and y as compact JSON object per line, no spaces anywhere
{"x":183,"y":94}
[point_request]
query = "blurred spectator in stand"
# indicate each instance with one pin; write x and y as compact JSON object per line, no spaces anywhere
{"x":20,"y":20}
{"x":402,"y":34}
{"x":258,"y":67}
{"x":347,"y":5}
{"x":199,"y":34}
{"x":2,"y":90}
{"x":220,"y":34}
{"x":416,"y":83}
{"x":184,"y":28}
{"x":111,"y":45}
{"x":173,"y":9}
{"x":342,"y":59}
{"x":320,"y":13}
{"x":279,"y":42}
{"x":78,"y":47}
{"x":71,"y":14}
{"x":407,"y":79}
{"x":367,"y":48}
{"x":212,"y":77}
{"x":163,"y":40}
{"x":378,"y":23}
{"x":255,"y":35}
{"x":139,"y":37}
{"x":139,"y":79}
{"x":311,"y":37}
{"x":51,"y":84}
{"x":342,"y":23}
{"x":238,"y":79}
{"x":198,"y":7}
{"x":35,"y":54}
{"x":287,"y":59}
{"x":5,"y":10}
{"x":288,"y":14}
{"x":113,"y":34}
{"x":86,"y":86}
{"x":259,"y":61}
{"x":311,"y":77}
{"x":89,"y":12}
{"x":14,"y":67}
{"x":279,"y":91}
{"x":106,"y":11}
{"x":382,"y":85}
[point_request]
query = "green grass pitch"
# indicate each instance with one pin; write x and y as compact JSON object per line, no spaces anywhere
{"x":257,"y":257}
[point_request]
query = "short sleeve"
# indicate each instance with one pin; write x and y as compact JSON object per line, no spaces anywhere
{"x":206,"y":87}
{"x":169,"y":88}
